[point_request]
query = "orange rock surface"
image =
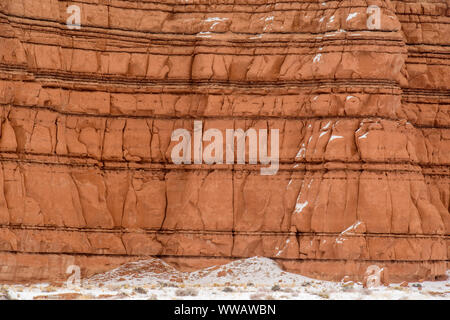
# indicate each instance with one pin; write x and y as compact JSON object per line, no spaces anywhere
{"x":87,"y":115}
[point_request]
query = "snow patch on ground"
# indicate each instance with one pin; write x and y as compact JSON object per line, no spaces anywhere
{"x":254,"y":278}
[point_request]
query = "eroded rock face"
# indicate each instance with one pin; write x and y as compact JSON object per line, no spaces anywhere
{"x":87,"y":116}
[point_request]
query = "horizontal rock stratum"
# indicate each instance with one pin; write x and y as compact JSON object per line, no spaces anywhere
{"x":87,"y":116}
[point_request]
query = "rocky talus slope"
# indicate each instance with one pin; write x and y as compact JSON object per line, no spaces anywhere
{"x":87,"y":115}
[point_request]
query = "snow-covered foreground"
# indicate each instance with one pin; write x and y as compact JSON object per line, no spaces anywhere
{"x":255,"y":278}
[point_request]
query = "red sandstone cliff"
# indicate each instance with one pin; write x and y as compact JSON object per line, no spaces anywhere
{"x":87,"y":115}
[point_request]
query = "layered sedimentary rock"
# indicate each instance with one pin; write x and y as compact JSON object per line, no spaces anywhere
{"x":87,"y":116}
